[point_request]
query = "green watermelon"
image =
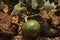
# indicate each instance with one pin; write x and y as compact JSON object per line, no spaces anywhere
{"x":31,"y":28}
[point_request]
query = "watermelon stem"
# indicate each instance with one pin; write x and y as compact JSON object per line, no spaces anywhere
{"x":26,"y":18}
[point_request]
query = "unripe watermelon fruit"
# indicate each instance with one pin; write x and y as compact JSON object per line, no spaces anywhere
{"x":31,"y":28}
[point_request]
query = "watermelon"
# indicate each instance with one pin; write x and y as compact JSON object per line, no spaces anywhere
{"x":31,"y":28}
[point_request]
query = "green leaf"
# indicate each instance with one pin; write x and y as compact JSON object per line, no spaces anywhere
{"x":48,"y":7}
{"x":40,"y":2}
{"x":34,"y":4}
{"x":44,"y":1}
{"x":1,"y":5}
{"x":19,"y":11}
{"x":59,"y":1}
{"x":29,"y":3}
{"x":21,"y":1}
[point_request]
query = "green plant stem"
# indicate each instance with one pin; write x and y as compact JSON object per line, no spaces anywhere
{"x":26,"y":17}
{"x":34,"y":15}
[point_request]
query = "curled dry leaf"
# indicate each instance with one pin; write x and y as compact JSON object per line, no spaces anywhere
{"x":5,"y":9}
{"x":57,"y":38}
{"x":51,"y":13}
{"x":48,"y":38}
{"x":55,"y":20}
{"x":18,"y":37}
{"x":5,"y":24}
{"x":20,"y":26}
{"x":52,"y":31}
{"x":58,"y":27}
{"x":20,"y":32}
{"x":45,"y":15}
{"x":15,"y":19}
{"x":59,"y":4}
